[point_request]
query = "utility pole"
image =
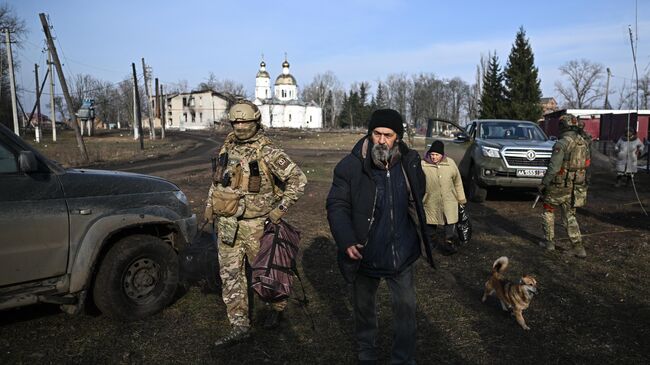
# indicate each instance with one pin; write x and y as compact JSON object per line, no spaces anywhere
{"x":163,"y":101}
{"x":38,"y":108}
{"x":152,"y":131}
{"x":52,"y":108}
{"x":138,"y":119}
{"x":64,"y":88}
{"x":609,"y":74}
{"x":12,"y":82}
{"x":136,"y":131}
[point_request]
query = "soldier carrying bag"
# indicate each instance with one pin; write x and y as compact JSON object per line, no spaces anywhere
{"x":275,"y":265}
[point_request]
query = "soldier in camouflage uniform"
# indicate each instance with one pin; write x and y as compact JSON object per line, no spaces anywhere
{"x":241,"y":198}
{"x":565,"y":184}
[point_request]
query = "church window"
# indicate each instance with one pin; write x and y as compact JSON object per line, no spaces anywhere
{"x":200,"y":101}
{"x":200,"y":117}
{"x":191,"y":101}
{"x":184,"y":117}
{"x":289,"y":117}
{"x":266,"y":93}
{"x":184,"y":101}
{"x":310,"y":118}
{"x":193,"y":117}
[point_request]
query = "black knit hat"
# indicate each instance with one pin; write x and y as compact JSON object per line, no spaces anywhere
{"x":437,"y":147}
{"x":387,"y":118}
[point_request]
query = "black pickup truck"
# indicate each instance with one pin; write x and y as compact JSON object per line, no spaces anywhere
{"x":72,"y":233}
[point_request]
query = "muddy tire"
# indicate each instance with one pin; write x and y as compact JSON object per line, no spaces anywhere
{"x":477,"y":193}
{"x":137,"y":277}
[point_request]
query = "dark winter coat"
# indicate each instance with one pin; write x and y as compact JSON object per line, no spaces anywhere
{"x":352,"y":200}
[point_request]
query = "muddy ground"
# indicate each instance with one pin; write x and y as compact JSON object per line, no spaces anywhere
{"x":595,"y":310}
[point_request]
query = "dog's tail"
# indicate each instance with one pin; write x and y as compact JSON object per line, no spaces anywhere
{"x":500,"y":265}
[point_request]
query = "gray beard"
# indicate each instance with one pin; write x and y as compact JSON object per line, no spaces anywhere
{"x":381,"y":154}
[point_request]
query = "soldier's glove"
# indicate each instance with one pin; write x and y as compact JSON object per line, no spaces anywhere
{"x":208,"y":215}
{"x":541,"y":188}
{"x":276,"y":214}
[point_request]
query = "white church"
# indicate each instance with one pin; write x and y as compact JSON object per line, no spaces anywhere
{"x":280,"y":107}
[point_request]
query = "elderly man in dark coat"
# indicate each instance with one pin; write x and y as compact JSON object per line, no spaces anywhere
{"x":375,"y":213}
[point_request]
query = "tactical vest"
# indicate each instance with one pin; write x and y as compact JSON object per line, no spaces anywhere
{"x":253,"y":187}
{"x":575,"y":163}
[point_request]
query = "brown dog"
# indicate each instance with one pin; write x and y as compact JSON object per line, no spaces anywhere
{"x":512,"y":296}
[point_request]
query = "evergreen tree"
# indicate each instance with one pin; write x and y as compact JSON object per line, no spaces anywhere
{"x":492,"y":101}
{"x":343,"y":117}
{"x":521,"y":82}
{"x":328,"y":109}
{"x":380,"y":98}
{"x":363,"y":108}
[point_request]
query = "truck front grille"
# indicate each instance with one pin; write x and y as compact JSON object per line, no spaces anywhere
{"x":523,"y":161}
{"x":516,"y":157}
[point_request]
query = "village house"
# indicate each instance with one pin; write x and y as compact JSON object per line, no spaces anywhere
{"x":196,"y":109}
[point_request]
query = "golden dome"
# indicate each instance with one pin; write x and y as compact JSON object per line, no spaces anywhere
{"x":285,"y":80}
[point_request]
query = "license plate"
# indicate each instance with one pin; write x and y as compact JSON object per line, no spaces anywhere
{"x":530,"y":173}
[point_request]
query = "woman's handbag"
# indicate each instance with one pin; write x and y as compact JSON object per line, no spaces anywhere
{"x":464,"y":226}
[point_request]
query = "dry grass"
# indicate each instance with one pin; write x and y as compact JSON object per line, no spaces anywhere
{"x":108,"y":146}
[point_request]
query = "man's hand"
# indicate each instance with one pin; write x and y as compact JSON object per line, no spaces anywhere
{"x":276,"y":215}
{"x":353,"y":252}
{"x":541,"y":188}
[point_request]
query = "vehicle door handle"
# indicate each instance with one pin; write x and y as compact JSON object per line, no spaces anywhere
{"x":82,"y":211}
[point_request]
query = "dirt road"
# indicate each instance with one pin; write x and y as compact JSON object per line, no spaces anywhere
{"x":589,"y":311}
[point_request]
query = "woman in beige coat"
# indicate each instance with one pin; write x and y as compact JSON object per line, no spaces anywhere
{"x":443,"y":194}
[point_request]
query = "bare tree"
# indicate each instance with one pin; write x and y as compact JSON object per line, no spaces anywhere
{"x":644,"y":91}
{"x":626,"y":97}
{"x":319,"y":90}
{"x":584,"y":86}
{"x":398,"y":89}
{"x":181,"y":86}
{"x":8,"y":20}
{"x":473,"y":100}
{"x":225,"y":86}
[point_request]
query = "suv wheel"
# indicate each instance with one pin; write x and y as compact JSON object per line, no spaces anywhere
{"x":476,"y":192}
{"x":138,"y":277}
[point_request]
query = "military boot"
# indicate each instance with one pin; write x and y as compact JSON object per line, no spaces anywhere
{"x":578,"y":251}
{"x":236,"y":334}
{"x":549,"y":245}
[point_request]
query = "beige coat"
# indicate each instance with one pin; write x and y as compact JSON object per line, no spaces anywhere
{"x":444,"y":191}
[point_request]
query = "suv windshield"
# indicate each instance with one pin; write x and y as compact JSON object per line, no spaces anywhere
{"x":505,"y":130}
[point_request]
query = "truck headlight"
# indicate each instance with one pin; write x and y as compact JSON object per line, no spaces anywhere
{"x":181,"y":197}
{"x":490,"y":152}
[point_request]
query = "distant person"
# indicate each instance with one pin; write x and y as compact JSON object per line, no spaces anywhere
{"x":628,"y":149}
{"x":242,"y":197}
{"x":444,"y":192}
{"x":565,"y":184}
{"x":375,"y":213}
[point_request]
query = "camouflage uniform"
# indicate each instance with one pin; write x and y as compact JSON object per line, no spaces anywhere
{"x":239,"y":235}
{"x":566,"y":186}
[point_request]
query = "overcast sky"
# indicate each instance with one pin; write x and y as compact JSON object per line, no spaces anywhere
{"x":358,"y":40}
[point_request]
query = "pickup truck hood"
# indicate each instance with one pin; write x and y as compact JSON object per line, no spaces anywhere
{"x":500,"y":143}
{"x":85,"y":182}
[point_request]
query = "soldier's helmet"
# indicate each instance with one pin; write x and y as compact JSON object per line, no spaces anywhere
{"x":244,"y":111}
{"x":569,"y":121}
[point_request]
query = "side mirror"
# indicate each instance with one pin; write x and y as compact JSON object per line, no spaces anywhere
{"x":462,"y":136}
{"x":552,"y":138}
{"x":27,"y":162}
